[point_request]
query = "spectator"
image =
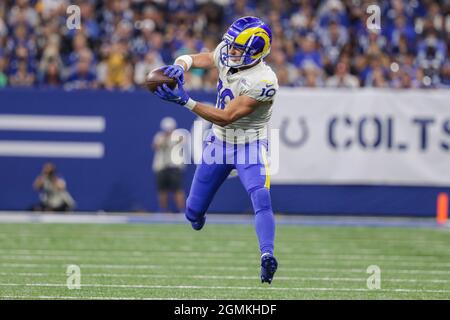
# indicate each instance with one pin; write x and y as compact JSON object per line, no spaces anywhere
{"x":431,"y":51}
{"x":422,"y":80}
{"x":379,"y":78}
{"x":117,"y":68}
{"x":342,"y":78}
{"x":52,"y":190}
{"x":311,"y":75}
{"x":431,"y":56}
{"x":3,"y":28}
{"x":79,"y":45}
{"x":20,"y":55}
{"x":21,"y":37}
{"x":22,"y":76}
{"x":3,"y":76}
{"x":82,"y":77}
{"x":369,"y":39}
{"x":401,"y":29}
{"x":332,"y":10}
{"x":308,"y":52}
{"x":406,"y":80}
{"x":333,"y":41}
{"x":91,"y":28}
{"x":51,"y":65}
{"x":152,"y":61}
{"x":51,"y":77}
{"x":445,"y":75}
{"x":167,"y":168}
{"x":120,"y":33}
{"x":286,"y":72}
{"x":22,"y":11}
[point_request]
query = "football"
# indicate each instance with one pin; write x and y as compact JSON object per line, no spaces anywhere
{"x":157,"y":78}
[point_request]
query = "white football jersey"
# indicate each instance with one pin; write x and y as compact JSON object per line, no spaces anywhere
{"x":258,"y":82}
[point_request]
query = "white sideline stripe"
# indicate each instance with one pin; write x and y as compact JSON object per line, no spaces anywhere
{"x":287,"y":262}
{"x":143,"y":286}
{"x":195,"y":267}
{"x":52,"y":123}
{"x":51,"y":149}
{"x":248,"y":219}
{"x":164,"y":276}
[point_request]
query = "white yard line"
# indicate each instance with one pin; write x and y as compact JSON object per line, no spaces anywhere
{"x":320,"y":255}
{"x":241,"y":240}
{"x":210,"y":267}
{"x":221,"y":277}
{"x":286,"y":260}
{"x":140,"y":286}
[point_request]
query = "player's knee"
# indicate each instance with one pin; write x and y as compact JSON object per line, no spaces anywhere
{"x":261,"y":199}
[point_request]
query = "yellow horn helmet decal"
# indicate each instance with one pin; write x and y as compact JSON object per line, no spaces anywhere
{"x":245,"y":35}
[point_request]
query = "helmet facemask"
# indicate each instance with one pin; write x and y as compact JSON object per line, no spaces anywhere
{"x":236,"y":61}
{"x":251,"y":37}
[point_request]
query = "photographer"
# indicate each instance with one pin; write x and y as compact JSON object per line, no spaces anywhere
{"x":168,"y":170}
{"x":52,"y":191}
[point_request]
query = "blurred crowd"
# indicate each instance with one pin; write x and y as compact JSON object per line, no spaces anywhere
{"x":316,"y":43}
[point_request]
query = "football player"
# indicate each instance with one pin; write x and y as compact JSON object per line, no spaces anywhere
{"x":246,"y":90}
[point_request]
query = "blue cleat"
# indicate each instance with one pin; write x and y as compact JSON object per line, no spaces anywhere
{"x":198,"y":224}
{"x":268,"y":267}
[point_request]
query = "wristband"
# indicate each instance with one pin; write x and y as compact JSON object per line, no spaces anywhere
{"x":190,"y":104}
{"x":187,"y":60}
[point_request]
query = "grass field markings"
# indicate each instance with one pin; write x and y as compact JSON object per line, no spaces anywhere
{"x":219,"y":250}
{"x":281,"y":248}
{"x":218,"y":230}
{"x":144,"y":230}
{"x":88,"y":298}
{"x":244,"y":242}
{"x":264,"y":288}
{"x":31,"y":274}
{"x":238,"y":239}
{"x":211,"y":277}
{"x":177,"y":253}
{"x":160,"y":274}
{"x":221,"y":267}
{"x":31,"y":297}
{"x":286,"y":260}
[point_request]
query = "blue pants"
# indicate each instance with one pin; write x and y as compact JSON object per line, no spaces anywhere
{"x":250,"y":161}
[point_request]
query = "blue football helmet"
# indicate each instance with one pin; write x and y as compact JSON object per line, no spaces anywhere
{"x":249,"y":34}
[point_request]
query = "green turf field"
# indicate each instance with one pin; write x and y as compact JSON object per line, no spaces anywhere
{"x":161,"y":261}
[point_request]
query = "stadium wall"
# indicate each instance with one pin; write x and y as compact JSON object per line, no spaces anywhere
{"x":101,"y":146}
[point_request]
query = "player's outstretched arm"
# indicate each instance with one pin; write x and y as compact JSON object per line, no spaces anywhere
{"x":204,"y":60}
{"x":183,"y":63}
{"x":234,"y":110}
